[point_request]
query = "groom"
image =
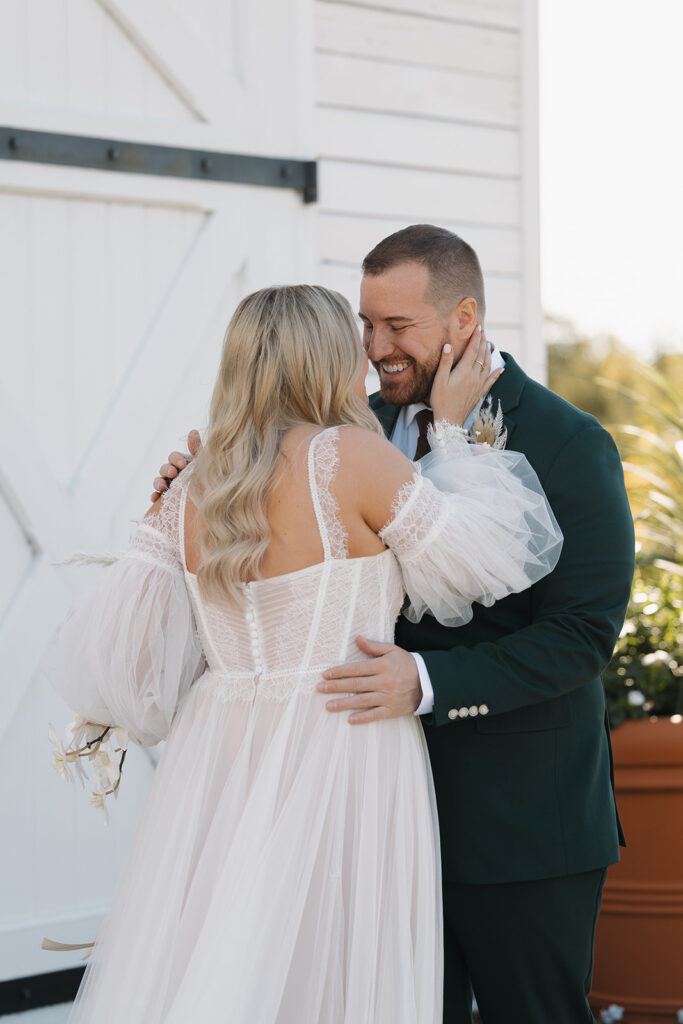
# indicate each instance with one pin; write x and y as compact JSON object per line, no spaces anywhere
{"x":512,"y":704}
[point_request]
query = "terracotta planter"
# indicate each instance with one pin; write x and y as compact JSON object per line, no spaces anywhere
{"x":639,"y":943}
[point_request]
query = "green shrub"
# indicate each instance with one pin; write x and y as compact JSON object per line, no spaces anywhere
{"x":645,"y":676}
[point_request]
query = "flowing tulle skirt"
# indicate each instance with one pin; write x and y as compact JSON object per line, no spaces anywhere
{"x":285,"y":871}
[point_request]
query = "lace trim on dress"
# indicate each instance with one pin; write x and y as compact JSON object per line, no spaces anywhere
{"x":150,"y":545}
{"x":245,"y":687}
{"x":323,"y":460}
{"x":160,"y":532}
{"x":444,"y":432}
{"x":403,"y":499}
{"x":419,"y":513}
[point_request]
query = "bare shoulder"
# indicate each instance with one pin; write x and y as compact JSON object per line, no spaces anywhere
{"x":362,"y":448}
{"x":373,"y":470}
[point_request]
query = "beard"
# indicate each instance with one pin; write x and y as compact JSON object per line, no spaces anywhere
{"x":415,"y":383}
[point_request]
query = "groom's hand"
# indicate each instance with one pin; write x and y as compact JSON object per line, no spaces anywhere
{"x":176,"y":464}
{"x":387,"y":686}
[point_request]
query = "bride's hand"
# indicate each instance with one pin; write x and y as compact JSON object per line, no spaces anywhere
{"x":176,"y":464}
{"x":457,"y":390}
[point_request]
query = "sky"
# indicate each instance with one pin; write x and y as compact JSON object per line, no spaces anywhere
{"x":611,"y":108}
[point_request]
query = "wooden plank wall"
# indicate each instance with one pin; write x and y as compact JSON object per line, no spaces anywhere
{"x":419,"y":118}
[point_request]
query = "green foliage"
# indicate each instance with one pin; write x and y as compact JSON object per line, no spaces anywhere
{"x":645,"y":676}
{"x":642,"y":406}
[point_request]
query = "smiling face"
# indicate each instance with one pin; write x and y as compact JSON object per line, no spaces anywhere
{"x":403,"y":333}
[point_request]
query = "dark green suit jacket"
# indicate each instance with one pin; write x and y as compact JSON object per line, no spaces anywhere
{"x":527,"y":791}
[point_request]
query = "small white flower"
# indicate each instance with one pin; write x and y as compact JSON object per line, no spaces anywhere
{"x":106,"y":772}
{"x":61,"y":759}
{"x":80,"y":771}
{"x":119,"y":737}
{"x":636,"y":699}
{"x":97,"y":801}
{"x":79,"y":732}
{"x":104,"y":756}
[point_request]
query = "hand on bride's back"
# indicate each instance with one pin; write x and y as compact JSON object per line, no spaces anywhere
{"x":177,"y":461}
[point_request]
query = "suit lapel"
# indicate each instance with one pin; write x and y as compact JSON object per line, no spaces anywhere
{"x":385,"y":413}
{"x":508,"y":391}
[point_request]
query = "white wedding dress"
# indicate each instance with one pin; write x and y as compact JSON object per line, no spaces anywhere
{"x":286,"y":867}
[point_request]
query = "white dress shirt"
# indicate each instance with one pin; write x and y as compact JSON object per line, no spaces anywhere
{"x":404,"y":436}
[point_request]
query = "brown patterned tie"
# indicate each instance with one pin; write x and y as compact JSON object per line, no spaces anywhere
{"x":423,"y":418}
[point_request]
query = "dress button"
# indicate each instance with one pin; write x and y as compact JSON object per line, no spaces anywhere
{"x":464,"y":712}
{"x":483,"y":709}
{"x":453,"y":713}
{"x":474,"y":710}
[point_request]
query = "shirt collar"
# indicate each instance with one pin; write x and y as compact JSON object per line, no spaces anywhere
{"x":411,"y":411}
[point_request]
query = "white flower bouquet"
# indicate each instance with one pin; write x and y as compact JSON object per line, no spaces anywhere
{"x":103,"y":747}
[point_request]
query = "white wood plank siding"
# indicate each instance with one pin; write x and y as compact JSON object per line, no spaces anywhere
{"x":498,"y":13}
{"x":419,"y":119}
{"x":416,"y":142}
{"x":362,"y":31}
{"x":363,"y":83}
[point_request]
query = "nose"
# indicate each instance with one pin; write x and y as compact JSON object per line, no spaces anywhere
{"x":378,"y":346}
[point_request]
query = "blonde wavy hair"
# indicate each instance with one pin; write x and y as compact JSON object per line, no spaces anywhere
{"x":291,"y":355}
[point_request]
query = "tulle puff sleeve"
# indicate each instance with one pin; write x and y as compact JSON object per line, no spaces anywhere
{"x":128,"y":650}
{"x":473,"y":525}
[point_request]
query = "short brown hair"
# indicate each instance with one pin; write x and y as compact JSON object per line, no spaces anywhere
{"x":453,"y":265}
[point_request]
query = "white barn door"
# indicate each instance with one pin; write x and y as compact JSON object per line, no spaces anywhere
{"x":115,"y":289}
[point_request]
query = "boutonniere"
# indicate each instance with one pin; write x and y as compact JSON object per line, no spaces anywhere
{"x":488,"y":429}
{"x":102,"y":747}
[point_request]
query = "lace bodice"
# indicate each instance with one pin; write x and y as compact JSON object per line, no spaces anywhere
{"x":296,"y":623}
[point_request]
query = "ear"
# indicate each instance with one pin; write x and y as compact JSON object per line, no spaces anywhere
{"x":464,"y":317}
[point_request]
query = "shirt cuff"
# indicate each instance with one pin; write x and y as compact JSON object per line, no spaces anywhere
{"x":426,"y":705}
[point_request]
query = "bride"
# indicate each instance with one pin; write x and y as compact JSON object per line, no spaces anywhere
{"x":285,"y":869}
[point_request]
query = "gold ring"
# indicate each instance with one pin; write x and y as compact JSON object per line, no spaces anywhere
{"x":480,"y":363}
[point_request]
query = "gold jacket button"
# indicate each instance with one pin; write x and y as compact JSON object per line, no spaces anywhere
{"x":474,"y":710}
{"x":483,"y":709}
{"x":453,"y":713}
{"x":464,"y":712}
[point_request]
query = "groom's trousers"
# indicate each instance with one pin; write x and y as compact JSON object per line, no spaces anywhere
{"x":525,"y":948}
